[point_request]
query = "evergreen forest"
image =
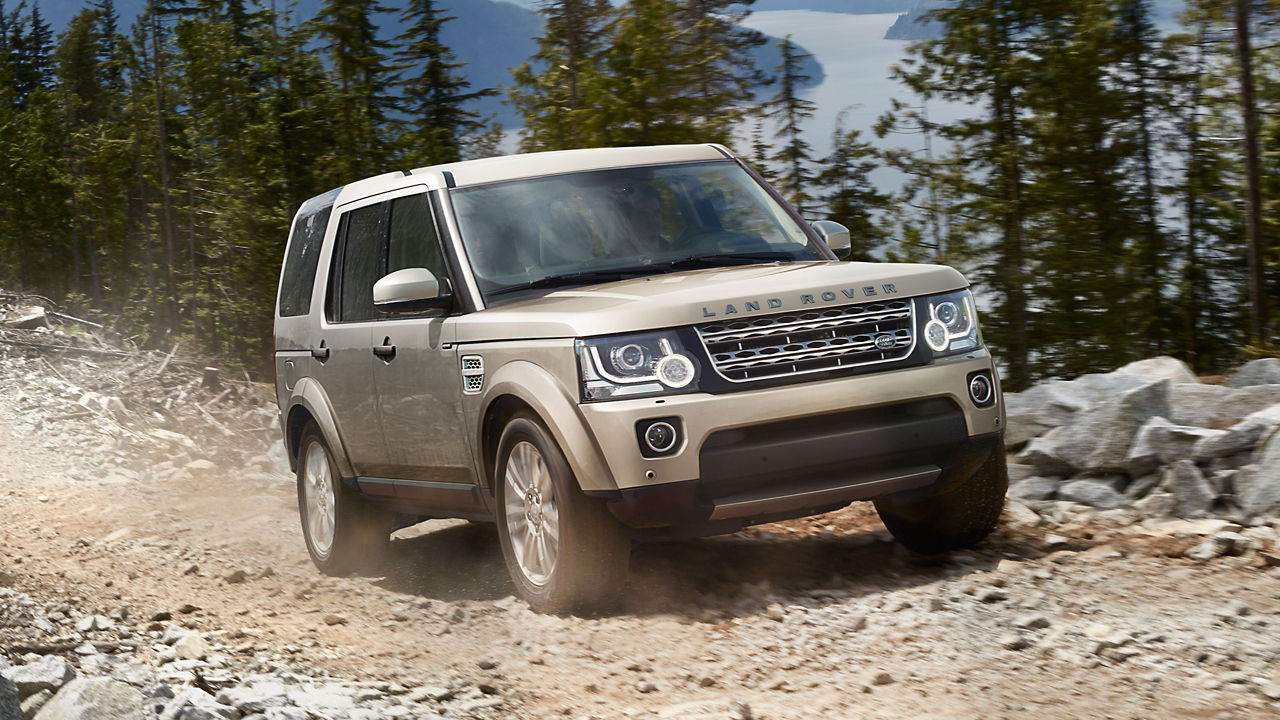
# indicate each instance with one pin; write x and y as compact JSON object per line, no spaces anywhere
{"x":1114,"y":193}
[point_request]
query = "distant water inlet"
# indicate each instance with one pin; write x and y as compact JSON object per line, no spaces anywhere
{"x":856,"y":57}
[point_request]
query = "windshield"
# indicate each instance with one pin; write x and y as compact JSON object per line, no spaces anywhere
{"x":589,"y":227}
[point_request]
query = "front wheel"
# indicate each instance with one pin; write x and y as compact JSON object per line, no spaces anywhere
{"x":342,"y":531}
{"x":564,"y":551}
{"x":953,"y":520}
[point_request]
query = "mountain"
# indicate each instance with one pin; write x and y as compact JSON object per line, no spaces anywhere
{"x":851,"y":7}
{"x":490,"y":36}
{"x":913,"y":26}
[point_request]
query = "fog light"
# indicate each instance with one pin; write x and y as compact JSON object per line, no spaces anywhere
{"x":659,"y":437}
{"x":980,"y":389}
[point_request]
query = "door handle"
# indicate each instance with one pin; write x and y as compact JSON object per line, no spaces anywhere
{"x":320,"y":353}
{"x":386,"y":350}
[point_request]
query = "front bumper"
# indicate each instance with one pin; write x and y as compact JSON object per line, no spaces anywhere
{"x":760,"y":455}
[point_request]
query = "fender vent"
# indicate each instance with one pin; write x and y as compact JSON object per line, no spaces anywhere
{"x":472,"y":374}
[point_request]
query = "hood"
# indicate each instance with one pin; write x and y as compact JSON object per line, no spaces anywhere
{"x":699,"y":296}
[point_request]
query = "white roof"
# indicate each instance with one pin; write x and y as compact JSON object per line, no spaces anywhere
{"x":515,"y":167}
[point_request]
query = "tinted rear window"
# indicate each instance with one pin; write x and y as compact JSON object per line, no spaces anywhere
{"x":303,"y":255}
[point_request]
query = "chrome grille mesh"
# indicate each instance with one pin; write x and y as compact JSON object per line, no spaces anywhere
{"x":771,"y":346}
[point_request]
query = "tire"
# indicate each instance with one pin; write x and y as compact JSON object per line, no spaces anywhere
{"x":953,"y":520}
{"x":342,"y":531}
{"x":564,"y":551}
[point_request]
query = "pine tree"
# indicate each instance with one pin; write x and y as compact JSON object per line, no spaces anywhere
{"x":790,"y":110}
{"x":851,"y":198}
{"x":550,"y":91}
{"x":437,"y":95}
{"x":723,"y":76}
{"x":982,"y":58}
{"x":363,"y":79}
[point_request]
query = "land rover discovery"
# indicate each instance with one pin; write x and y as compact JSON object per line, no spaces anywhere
{"x":591,"y":347}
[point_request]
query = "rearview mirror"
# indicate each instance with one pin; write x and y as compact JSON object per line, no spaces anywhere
{"x":410,"y":290}
{"x":835,"y":235}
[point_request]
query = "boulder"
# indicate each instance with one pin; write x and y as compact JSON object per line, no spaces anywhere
{"x":48,"y":673}
{"x":1258,"y":372}
{"x":27,"y":318}
{"x":1160,"y":368}
{"x":1042,"y":453}
{"x":1190,"y":489}
{"x":1257,"y":487}
{"x":95,"y":699}
{"x":1160,"y":442}
{"x":1240,"y":437}
{"x":1202,"y":405}
{"x":1157,"y":504}
{"x":1034,"y":488}
{"x":10,"y":704}
{"x":1100,"y":438}
{"x":1094,"y":493}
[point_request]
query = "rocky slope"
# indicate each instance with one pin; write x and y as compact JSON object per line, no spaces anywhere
{"x":146,"y":577}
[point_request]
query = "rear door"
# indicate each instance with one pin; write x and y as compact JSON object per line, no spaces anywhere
{"x":344,"y":359}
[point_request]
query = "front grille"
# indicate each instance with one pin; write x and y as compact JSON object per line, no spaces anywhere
{"x":809,"y":341}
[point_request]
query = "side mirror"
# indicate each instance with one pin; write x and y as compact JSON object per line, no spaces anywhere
{"x":835,"y":235}
{"x":410,"y":290}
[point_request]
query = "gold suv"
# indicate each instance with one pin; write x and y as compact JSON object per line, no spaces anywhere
{"x":590,"y":347}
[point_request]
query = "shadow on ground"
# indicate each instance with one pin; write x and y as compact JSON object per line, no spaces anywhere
{"x":705,"y":580}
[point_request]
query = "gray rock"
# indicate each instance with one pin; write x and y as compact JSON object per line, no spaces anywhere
{"x":1206,"y":550}
{"x":257,"y":697}
{"x":1189,"y":487}
{"x":196,"y":704}
{"x":1031,"y":621}
{"x":1157,"y":504}
{"x":1244,"y":435}
{"x":1018,"y":473}
{"x":1100,"y":439}
{"x":1160,"y":443}
{"x":1160,"y":368}
{"x":1014,"y":641}
{"x":1044,"y":455}
{"x":1140,"y":487}
{"x":1265,"y":371}
{"x":32,"y":705}
{"x":1200,"y":405}
{"x":1092,"y":493}
{"x":95,"y":699}
{"x":10,"y":703}
{"x":191,"y":647}
{"x":1257,"y":488}
{"x":47,"y":673}
{"x":1035,"y":488}
{"x":740,"y":710}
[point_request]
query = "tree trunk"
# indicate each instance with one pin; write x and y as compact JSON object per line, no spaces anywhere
{"x":1258,"y":320}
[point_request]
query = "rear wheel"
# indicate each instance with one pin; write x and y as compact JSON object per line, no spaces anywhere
{"x":342,"y":531}
{"x":564,"y":551}
{"x":953,"y":520}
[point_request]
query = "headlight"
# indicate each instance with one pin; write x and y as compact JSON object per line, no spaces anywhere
{"x":952,"y":324}
{"x":634,"y":366}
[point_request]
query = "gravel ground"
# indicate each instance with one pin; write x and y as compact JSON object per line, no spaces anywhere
{"x":188,"y":582}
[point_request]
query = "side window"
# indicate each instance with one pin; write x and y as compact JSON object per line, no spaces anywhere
{"x":300,"y":262}
{"x":363,"y":262}
{"x":414,"y":242}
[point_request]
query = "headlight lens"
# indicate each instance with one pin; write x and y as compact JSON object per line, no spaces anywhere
{"x":635,"y":366}
{"x":952,"y":323}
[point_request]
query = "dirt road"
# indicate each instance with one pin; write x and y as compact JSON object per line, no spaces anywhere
{"x":818,"y":618}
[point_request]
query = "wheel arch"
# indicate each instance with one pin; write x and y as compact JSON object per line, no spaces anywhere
{"x":522,"y":385}
{"x":309,"y":404}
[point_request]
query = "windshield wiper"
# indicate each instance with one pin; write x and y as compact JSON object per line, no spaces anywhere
{"x":724,"y":259}
{"x":586,"y":277}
